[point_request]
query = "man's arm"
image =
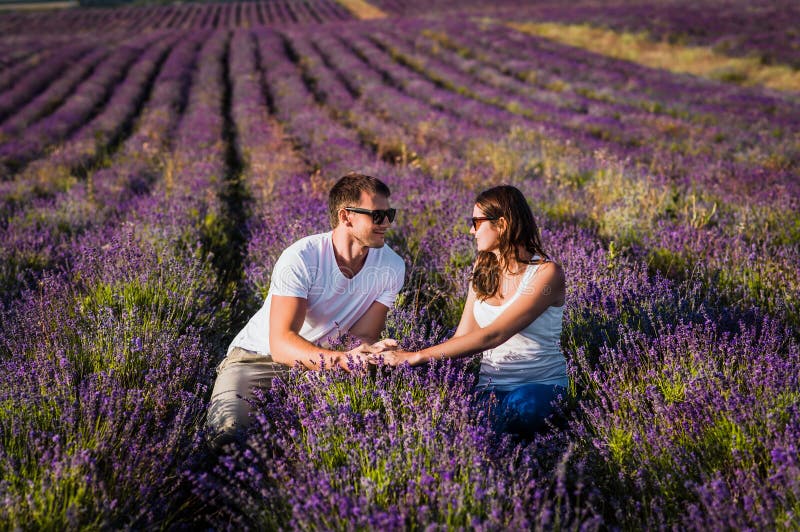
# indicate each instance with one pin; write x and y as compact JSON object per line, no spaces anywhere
{"x":369,"y":326}
{"x":286,"y":316}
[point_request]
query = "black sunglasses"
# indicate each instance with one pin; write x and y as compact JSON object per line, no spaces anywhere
{"x":378,"y":215}
{"x":477,"y":219}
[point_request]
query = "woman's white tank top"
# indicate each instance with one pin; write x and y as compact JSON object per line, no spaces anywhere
{"x":531,"y":355}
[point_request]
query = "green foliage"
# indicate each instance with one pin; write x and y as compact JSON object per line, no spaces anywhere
{"x":729,"y":74}
{"x":671,"y":264}
{"x":620,"y":443}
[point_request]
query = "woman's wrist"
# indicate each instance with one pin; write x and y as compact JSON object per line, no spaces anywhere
{"x":419,"y":358}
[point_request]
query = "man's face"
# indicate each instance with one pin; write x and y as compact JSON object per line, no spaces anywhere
{"x":362,"y":227}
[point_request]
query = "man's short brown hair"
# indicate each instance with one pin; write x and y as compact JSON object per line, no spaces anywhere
{"x":347,"y":193}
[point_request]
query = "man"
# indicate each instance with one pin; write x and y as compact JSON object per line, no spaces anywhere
{"x":341,"y":281}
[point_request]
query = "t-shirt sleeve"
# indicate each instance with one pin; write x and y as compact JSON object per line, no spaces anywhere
{"x":291,"y":276}
{"x":393,"y":284}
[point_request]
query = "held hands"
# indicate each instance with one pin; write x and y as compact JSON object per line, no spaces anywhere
{"x":356,"y":357}
{"x":388,"y":351}
{"x":385,"y":350}
{"x":370,"y":354}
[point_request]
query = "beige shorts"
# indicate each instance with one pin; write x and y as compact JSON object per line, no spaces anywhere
{"x":237,"y":375}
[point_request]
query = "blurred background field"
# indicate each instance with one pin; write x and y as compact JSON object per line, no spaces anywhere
{"x":156,"y":159}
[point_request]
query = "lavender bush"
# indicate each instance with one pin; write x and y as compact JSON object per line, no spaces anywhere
{"x":148,"y":191}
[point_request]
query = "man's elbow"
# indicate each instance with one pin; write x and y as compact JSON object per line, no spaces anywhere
{"x":278,"y":349}
{"x":281,"y":358}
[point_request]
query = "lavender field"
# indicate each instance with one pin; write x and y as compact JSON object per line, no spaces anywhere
{"x":155,"y":161}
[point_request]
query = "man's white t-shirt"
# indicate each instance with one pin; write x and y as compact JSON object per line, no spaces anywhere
{"x":308,"y":269}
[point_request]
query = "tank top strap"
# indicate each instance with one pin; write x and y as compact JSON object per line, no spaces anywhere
{"x":530,"y":271}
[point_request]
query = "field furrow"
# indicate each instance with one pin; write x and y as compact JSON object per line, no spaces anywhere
{"x":399,"y":129}
{"x":412,"y":83}
{"x":48,"y":100}
{"x":269,"y":159}
{"x":712,"y":97}
{"x":18,"y":54}
{"x":31,"y":83}
{"x":40,"y":235}
{"x":453,"y":73}
{"x":132,"y":19}
{"x":88,"y":100}
{"x":662,"y":136}
{"x":442,"y":132}
{"x":93,"y":143}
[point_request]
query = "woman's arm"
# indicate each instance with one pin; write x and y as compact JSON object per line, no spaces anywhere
{"x":467,"y":323}
{"x":546,"y":288}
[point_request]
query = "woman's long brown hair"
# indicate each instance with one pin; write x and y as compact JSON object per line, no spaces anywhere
{"x":507,"y":202}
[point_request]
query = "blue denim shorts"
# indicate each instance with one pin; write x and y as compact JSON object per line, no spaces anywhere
{"x":522,"y":410}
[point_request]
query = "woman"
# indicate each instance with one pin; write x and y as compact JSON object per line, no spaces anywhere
{"x":512,"y":315}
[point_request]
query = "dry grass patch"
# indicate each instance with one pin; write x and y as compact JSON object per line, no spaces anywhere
{"x":361,"y":9}
{"x":37,"y":6}
{"x":638,"y":48}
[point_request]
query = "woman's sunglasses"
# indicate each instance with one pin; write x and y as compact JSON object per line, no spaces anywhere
{"x":378,"y":215}
{"x":476,"y":220}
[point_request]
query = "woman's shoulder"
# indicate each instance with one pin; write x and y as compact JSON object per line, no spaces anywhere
{"x":546,"y":268}
{"x":546,"y":277}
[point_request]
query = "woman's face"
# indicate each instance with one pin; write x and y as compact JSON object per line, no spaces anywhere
{"x":487,"y":236}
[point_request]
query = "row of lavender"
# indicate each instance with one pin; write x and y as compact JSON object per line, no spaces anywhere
{"x":177,"y":16}
{"x":86,"y":120}
{"x":646,"y":352}
{"x":107,"y":360}
{"x":763,"y":29}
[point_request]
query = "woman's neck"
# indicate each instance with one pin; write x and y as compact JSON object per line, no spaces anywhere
{"x":514,"y":266}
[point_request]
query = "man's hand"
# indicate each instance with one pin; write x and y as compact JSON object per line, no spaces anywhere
{"x":359,"y":356}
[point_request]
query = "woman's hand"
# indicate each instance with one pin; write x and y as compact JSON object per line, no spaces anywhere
{"x":398,"y":357}
{"x":387,"y":344}
{"x":388,"y":351}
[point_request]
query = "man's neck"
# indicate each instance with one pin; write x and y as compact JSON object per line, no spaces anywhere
{"x":350,"y":254}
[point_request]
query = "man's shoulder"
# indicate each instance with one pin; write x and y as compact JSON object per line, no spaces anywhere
{"x":391,"y":259}
{"x":309,"y":244}
{"x":304,"y":254}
